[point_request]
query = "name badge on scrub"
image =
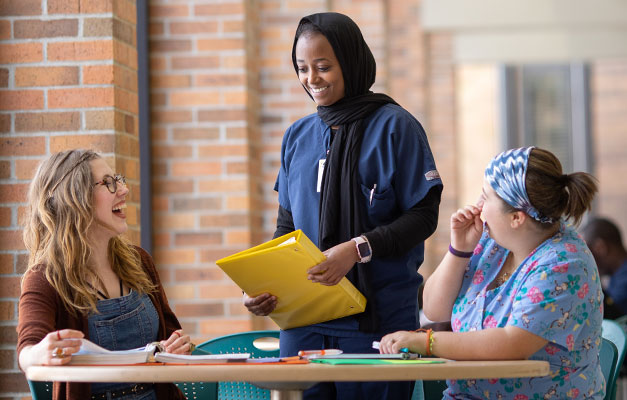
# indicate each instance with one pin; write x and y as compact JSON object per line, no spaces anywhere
{"x":320,"y":173}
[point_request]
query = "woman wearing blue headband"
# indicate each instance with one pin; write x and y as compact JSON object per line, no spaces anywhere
{"x":521,"y":284}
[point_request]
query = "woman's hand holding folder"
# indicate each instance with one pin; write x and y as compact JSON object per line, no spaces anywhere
{"x":261,"y":305}
{"x":339,"y":260}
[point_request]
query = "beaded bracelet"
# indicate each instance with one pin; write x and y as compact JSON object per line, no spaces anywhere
{"x":429,"y":346}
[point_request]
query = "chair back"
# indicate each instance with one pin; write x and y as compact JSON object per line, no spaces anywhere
{"x":608,"y":356}
{"x":40,"y":390}
{"x":257,"y":343}
{"x":615,"y":333}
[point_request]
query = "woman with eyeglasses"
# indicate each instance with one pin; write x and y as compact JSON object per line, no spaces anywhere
{"x":84,"y":280}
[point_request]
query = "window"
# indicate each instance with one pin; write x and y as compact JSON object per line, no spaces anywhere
{"x":547,"y":106}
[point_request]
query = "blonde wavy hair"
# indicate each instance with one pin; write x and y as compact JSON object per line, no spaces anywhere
{"x":61,"y":211}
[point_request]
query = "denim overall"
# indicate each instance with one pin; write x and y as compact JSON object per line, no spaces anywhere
{"x":124,"y":323}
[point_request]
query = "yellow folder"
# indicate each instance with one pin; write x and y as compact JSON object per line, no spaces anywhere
{"x":279,"y":267}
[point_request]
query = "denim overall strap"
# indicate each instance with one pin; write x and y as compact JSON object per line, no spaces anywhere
{"x":123,"y":323}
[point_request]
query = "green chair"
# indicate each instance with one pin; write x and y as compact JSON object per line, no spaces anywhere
{"x":40,"y":390}
{"x":608,"y":357}
{"x":613,"y":332}
{"x":257,"y":343}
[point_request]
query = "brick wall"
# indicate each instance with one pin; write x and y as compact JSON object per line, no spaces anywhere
{"x":67,"y":79}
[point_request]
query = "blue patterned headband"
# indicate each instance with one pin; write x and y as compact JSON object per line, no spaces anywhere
{"x":506,"y":174}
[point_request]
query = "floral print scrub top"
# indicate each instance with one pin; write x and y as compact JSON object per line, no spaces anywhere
{"x":555,"y":294}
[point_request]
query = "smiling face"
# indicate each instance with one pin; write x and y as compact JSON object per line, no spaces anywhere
{"x":109,"y":218}
{"x":318,"y":69}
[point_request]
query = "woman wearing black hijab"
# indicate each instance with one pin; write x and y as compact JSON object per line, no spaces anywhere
{"x":359,"y":179}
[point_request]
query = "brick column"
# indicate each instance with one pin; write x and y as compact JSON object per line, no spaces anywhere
{"x":206,"y":152}
{"x":67,"y":80}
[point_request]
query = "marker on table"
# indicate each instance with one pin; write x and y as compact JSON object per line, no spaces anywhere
{"x":323,"y":352}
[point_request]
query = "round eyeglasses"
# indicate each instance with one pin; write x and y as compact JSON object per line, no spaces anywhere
{"x":111,"y":182}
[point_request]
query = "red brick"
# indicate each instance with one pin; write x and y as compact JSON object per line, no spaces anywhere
{"x":98,"y":74}
{"x":32,"y":28}
{"x":63,"y":6}
{"x":223,"y":221}
{"x":81,"y":98}
{"x":156,"y":29}
{"x":197,"y":239}
{"x":25,"y":169}
{"x":194,"y":98}
{"x":220,"y":80}
{"x":196,"y":203}
{"x":22,"y":146}
{"x":174,"y":257}
{"x":168,"y":10}
{"x":101,"y":143}
{"x":5,"y":29}
{"x":165,"y":116}
{"x":16,"y":53}
{"x":5,"y":169}
{"x":220,"y":291}
{"x":125,"y":54}
{"x":7,"y":311}
{"x":233,"y":26}
{"x":222,"y":115}
{"x":169,"y":81}
{"x":4,"y":77}
{"x":13,"y":382}
{"x":196,"y":133}
{"x":210,"y":256}
{"x":11,"y":240}
{"x":198,"y":274}
{"x":97,"y":6}
{"x":194,"y":27}
{"x":199,"y":310}
{"x":7,"y":359}
{"x":220,"y":44}
{"x":5,"y":217}
{"x":5,"y":122}
{"x":6,"y":264}
{"x":170,"y":45}
{"x":197,"y":62}
{"x":80,"y":51}
{"x":219,"y":9}
{"x":220,"y":151}
{"x":46,"y":76}
{"x":8,"y":335}
{"x":21,"y":99}
{"x":47,"y":121}
{"x":221,"y":326}
{"x":196,"y":168}
{"x":20,"y":7}
{"x":125,"y":10}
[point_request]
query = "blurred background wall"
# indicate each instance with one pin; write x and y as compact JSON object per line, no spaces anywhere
{"x":221,"y":91}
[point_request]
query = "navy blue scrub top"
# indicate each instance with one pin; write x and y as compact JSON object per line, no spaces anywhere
{"x":395,"y":156}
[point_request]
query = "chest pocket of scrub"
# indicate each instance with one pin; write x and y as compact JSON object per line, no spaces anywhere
{"x":131,"y":323}
{"x":380,"y":205}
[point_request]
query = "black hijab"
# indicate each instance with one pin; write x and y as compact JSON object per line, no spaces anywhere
{"x":342,"y":212}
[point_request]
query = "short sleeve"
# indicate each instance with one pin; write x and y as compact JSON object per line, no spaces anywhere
{"x":416,"y":172}
{"x":281,"y":185}
{"x":554,"y":301}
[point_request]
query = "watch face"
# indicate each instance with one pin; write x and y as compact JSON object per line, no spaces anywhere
{"x":364,"y":250}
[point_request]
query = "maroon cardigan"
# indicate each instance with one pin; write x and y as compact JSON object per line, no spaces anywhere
{"x":41,"y":312}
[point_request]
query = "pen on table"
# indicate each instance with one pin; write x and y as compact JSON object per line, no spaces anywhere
{"x":324,"y":352}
